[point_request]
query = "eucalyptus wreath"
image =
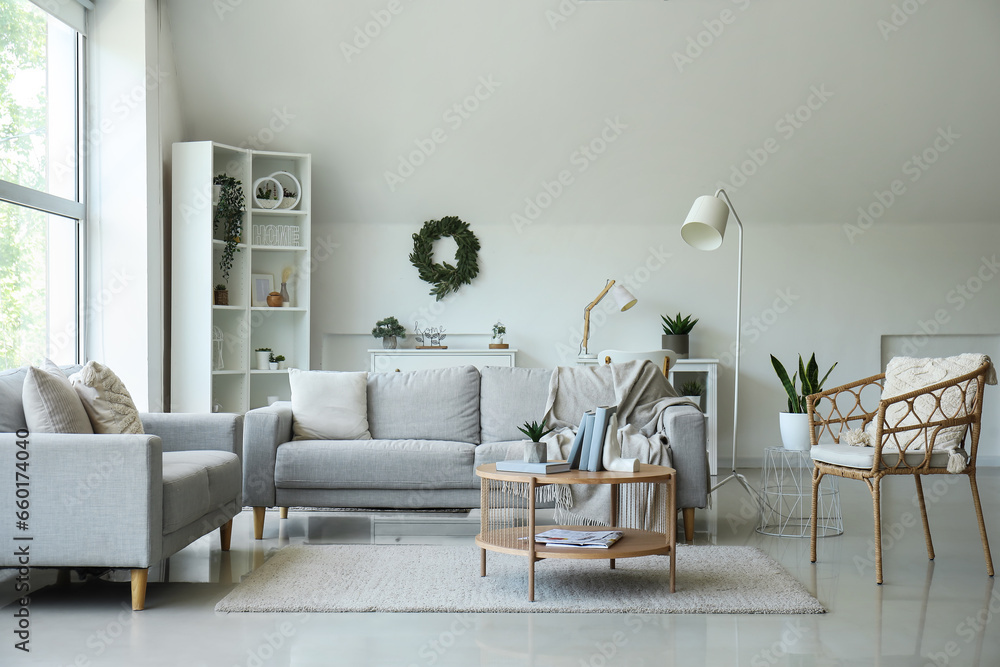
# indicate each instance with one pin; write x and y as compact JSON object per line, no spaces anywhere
{"x":444,"y":277}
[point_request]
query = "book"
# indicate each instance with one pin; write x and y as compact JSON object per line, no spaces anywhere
{"x":538,"y":468}
{"x":584,"y":539}
{"x":577,"y":448}
{"x":601,"y":418}
{"x":587,"y":428}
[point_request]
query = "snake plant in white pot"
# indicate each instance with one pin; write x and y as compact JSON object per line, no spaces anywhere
{"x":794,"y":423}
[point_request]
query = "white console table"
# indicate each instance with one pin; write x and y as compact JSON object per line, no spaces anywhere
{"x":707,"y":371}
{"x":387,"y":361}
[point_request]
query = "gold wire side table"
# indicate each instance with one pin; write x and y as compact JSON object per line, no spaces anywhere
{"x":785,"y":498}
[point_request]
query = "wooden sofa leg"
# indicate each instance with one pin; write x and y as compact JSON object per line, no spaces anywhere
{"x":139,"y":576}
{"x":226,"y":533}
{"x":688,"y":524}
{"x":283,"y":512}
{"x":258,"y":523}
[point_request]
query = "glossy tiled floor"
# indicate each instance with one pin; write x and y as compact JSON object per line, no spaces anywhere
{"x":941,"y":613}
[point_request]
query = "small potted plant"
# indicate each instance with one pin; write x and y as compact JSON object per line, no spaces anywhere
{"x":280,"y":358}
{"x":675,"y":334}
{"x":534,"y":449}
{"x":272,"y":362}
{"x":263,"y":358}
{"x":221,"y":295}
{"x":794,"y":424}
{"x":499,"y":331}
{"x":693,"y":391}
{"x":388,"y":330}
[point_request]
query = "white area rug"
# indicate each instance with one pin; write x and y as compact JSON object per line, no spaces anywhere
{"x":405,"y":578}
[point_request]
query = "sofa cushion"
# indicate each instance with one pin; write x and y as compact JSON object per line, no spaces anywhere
{"x":51,"y":405}
{"x":508,"y":398}
{"x":436,"y":404}
{"x":374,"y":464}
{"x":329,"y":405}
{"x":11,"y":404}
{"x":197,"y":482}
{"x":106,"y":400}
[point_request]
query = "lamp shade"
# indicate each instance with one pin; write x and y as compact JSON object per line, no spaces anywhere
{"x":622,"y":297}
{"x":705,"y":225}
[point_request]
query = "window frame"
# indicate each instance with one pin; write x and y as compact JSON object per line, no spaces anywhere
{"x":44,"y":202}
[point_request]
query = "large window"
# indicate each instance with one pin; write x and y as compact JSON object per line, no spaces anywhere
{"x":41,"y":185}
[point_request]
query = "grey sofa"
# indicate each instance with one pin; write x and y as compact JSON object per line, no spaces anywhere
{"x":116,"y":501}
{"x":430,"y":430}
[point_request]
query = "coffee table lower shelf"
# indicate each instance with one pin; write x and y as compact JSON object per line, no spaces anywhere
{"x":508,"y":517}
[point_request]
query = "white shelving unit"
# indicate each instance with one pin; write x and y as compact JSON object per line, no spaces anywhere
{"x":196,"y":384}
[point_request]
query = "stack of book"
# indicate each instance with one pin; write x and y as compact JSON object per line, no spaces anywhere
{"x":588,"y":446}
{"x":582,"y":539}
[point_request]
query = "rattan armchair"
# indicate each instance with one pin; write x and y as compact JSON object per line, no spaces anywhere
{"x":915,"y":421}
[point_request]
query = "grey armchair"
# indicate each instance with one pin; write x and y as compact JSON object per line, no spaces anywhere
{"x":116,"y":501}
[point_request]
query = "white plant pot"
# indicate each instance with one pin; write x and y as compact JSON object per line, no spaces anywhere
{"x":262,"y":360}
{"x":272,"y":365}
{"x":794,"y":430}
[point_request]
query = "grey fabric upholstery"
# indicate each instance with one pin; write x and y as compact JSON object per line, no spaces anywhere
{"x":197,"y":482}
{"x":102,"y":501}
{"x":380,"y":498}
{"x":11,"y":409}
{"x":508,"y":398}
{"x":437,"y":404}
{"x":188,"y":432}
{"x":374,"y":464}
{"x":491,"y":452}
{"x":264,"y":429}
{"x":399,"y":471}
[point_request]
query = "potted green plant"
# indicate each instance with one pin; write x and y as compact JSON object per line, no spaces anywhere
{"x":280,"y":358}
{"x":675,"y":334}
{"x":534,"y":449}
{"x":794,"y":423}
{"x":499,"y":331}
{"x":272,"y":362}
{"x":221,"y":295}
{"x":388,"y":330}
{"x":229,"y":216}
{"x":263,"y":358}
{"x":692,"y":391}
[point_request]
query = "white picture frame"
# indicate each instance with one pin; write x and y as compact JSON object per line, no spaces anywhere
{"x":262,"y":284}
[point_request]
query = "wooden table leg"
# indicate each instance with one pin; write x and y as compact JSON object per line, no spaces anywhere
{"x":672,"y":529}
{"x":482,"y":562}
{"x":614,"y":512}
{"x":531,"y":540}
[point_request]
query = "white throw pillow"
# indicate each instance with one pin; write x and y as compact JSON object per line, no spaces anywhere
{"x":50,"y":403}
{"x":329,"y":405}
{"x":106,"y":400}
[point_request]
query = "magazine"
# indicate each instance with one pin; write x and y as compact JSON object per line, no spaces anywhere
{"x":593,"y":539}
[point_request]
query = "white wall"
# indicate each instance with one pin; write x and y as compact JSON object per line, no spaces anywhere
{"x":253,"y":74}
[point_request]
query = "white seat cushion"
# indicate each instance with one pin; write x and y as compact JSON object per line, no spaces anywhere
{"x":862,"y":457}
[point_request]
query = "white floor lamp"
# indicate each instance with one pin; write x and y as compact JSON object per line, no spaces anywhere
{"x":704,"y":229}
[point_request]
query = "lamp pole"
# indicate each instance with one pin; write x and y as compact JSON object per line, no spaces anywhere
{"x":736,"y":380}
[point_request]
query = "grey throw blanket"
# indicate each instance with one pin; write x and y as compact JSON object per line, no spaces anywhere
{"x":642,"y":395}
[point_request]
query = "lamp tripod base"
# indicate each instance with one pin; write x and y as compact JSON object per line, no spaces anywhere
{"x":743,"y":482}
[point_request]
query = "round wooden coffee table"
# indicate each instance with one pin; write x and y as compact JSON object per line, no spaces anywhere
{"x":507,"y":509}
